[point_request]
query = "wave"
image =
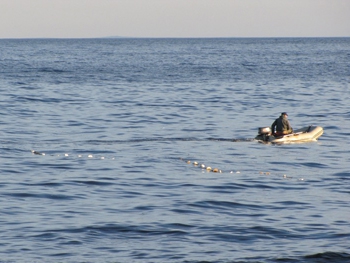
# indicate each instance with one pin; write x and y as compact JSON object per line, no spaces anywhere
{"x":326,"y":257}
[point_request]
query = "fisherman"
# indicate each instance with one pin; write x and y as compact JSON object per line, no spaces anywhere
{"x":281,"y":125}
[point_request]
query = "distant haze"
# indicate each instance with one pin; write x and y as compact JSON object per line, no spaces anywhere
{"x":174,"y":18}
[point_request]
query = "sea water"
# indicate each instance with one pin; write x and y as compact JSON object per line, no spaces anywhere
{"x":102,"y":143}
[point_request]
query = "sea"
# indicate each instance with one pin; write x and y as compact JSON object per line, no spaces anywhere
{"x":106,"y":144}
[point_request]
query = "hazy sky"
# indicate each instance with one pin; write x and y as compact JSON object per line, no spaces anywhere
{"x":174,"y":18}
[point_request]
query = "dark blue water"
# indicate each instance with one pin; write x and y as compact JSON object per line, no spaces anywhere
{"x":119,"y":123}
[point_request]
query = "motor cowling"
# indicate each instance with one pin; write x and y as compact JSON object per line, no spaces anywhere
{"x":264,"y":131}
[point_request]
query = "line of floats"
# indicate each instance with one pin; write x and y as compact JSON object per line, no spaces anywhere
{"x":90,"y":156}
{"x":217,"y":170}
{"x":203,"y":167}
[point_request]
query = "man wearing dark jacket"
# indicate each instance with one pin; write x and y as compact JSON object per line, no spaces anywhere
{"x":281,"y":125}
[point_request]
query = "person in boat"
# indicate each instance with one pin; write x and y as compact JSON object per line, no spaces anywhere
{"x":281,"y":125}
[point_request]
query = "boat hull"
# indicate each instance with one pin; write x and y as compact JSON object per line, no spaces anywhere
{"x":306,"y":134}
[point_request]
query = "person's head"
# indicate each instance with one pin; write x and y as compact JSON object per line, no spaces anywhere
{"x":284,"y":114}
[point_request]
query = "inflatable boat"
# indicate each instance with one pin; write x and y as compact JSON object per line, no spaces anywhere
{"x":306,"y":134}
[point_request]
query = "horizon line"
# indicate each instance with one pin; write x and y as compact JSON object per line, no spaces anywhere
{"x":132,"y":37}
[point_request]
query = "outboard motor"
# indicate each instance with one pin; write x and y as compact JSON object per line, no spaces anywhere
{"x":265,"y":133}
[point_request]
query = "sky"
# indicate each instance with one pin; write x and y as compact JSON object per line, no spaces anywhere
{"x":174,"y":18}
